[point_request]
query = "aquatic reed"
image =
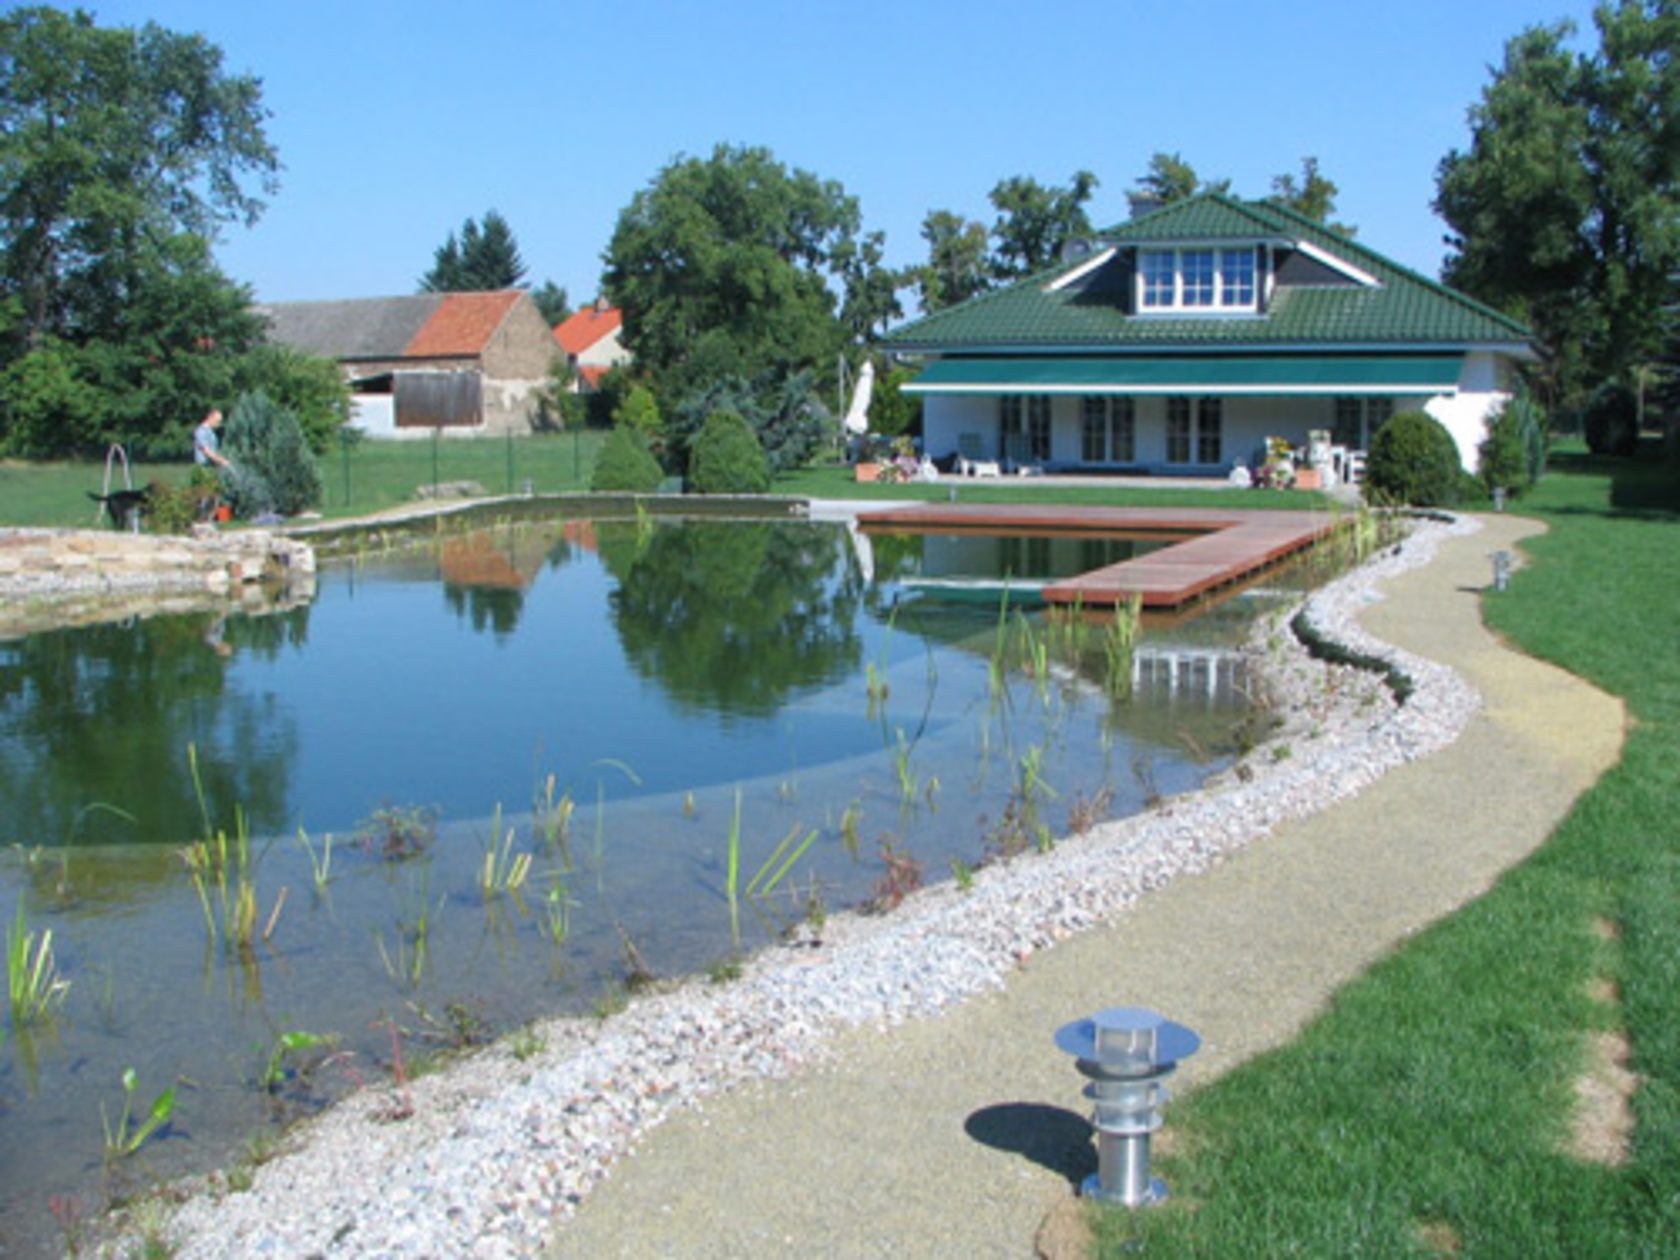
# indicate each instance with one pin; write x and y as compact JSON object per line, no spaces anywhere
{"x":33,"y":985}
{"x":503,"y":870}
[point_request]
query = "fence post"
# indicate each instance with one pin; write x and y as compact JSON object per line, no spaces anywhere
{"x":577,"y":467}
{"x":437,"y":436}
{"x":510,"y":461}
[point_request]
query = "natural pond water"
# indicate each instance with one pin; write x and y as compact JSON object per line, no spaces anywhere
{"x":613,"y":694}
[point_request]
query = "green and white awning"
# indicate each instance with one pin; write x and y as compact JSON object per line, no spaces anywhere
{"x":1199,"y":374}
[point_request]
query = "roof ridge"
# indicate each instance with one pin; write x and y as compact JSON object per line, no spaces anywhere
{"x":1481,"y":308}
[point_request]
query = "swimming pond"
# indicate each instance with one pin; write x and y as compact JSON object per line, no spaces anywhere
{"x":643,"y":706}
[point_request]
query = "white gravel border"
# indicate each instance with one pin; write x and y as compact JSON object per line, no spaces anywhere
{"x":497,"y":1151}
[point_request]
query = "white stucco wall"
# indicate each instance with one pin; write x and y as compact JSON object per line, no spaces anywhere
{"x":374,"y":414}
{"x":1465,"y":414}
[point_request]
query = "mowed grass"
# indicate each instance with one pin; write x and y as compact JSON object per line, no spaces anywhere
{"x":367,"y":477}
{"x":833,"y":481}
{"x":1428,"y":1111}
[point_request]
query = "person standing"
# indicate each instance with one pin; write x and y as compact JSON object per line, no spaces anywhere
{"x":207,"y":444}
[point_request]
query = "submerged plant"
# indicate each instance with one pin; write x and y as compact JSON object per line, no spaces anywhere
{"x":909,"y":784}
{"x":398,"y":832}
{"x":849,"y":828}
{"x":33,"y":985}
{"x":125,"y":1137}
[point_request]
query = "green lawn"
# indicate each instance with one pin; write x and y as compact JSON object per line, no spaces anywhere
{"x":1422,"y":1114}
{"x":364,"y":478}
{"x":838,"y":482}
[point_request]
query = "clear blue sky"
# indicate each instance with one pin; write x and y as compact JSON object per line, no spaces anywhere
{"x":398,"y":119}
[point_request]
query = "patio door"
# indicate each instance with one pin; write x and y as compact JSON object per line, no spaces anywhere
{"x":1108,"y":431}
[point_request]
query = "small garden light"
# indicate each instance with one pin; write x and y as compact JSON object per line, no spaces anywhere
{"x":1499,"y":498}
{"x":1501,"y":570}
{"x":1127,"y":1052}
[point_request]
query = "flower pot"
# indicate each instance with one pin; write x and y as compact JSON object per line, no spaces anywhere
{"x":868,"y":472}
{"x":224,"y":512}
{"x":1309,"y":479}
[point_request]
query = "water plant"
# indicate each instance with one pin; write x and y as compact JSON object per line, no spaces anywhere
{"x":503,"y":870}
{"x":901,"y":875}
{"x":963,"y":873}
{"x":849,"y":828}
{"x":551,"y":820}
{"x":33,"y":985}
{"x":781,"y":860}
{"x":224,"y":865}
{"x":1035,"y":655}
{"x":875,"y":676}
{"x":909,"y":783}
{"x":320,"y":865}
{"x":997,"y":669}
{"x":398,"y":832}
{"x":286,"y":1045}
{"x":127,"y":1136}
{"x":557,"y":913}
{"x":1119,"y":641}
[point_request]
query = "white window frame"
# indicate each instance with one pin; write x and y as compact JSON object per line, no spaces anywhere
{"x":1203,"y":279}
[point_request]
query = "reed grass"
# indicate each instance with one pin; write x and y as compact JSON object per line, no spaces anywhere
{"x":774,"y":868}
{"x":34,"y":988}
{"x":1119,"y":642}
{"x":320,"y":864}
{"x":551,"y":818}
{"x":503,"y":870}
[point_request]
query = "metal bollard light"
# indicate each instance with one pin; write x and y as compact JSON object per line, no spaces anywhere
{"x":1501,"y":570}
{"x":1127,"y":1052}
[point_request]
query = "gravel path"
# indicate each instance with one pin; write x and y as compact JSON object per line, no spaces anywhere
{"x":779,"y":1110}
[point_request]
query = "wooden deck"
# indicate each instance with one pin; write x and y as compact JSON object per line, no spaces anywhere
{"x":1227,"y":544}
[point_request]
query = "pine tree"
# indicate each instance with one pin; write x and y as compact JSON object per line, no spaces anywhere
{"x":483,"y":258}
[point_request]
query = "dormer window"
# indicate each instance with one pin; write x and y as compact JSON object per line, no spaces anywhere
{"x":1201,"y":279}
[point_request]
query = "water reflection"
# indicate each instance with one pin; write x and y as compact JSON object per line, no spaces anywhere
{"x":737,"y":617}
{"x":102,"y":716}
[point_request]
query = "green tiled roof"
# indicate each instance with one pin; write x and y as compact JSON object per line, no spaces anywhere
{"x":1405,"y":309}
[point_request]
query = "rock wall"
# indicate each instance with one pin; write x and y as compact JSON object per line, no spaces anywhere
{"x":54,"y":577}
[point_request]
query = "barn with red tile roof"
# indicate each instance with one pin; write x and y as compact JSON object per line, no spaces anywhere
{"x":467,"y":363}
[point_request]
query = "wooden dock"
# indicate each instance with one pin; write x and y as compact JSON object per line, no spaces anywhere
{"x":1225,"y":545}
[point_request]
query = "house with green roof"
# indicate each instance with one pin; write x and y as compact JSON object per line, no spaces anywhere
{"x":1183,"y":339}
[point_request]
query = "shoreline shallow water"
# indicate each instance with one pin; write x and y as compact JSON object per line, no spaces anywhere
{"x":498,"y":1150}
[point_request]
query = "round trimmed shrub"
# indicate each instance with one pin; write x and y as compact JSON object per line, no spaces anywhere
{"x":1415,"y":460}
{"x":728,"y":457}
{"x":1611,"y":422}
{"x":625,"y":464}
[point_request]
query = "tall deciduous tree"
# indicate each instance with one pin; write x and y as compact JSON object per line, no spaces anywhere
{"x":123,"y":152}
{"x":1313,"y":196}
{"x":722,"y":267}
{"x":1565,"y":209}
{"x":1034,"y":221}
{"x":112,"y":141}
{"x":483,"y":258}
{"x":957,"y":266}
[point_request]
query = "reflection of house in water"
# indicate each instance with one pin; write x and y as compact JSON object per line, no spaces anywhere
{"x":480,"y":560}
{"x":1214,"y":676}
